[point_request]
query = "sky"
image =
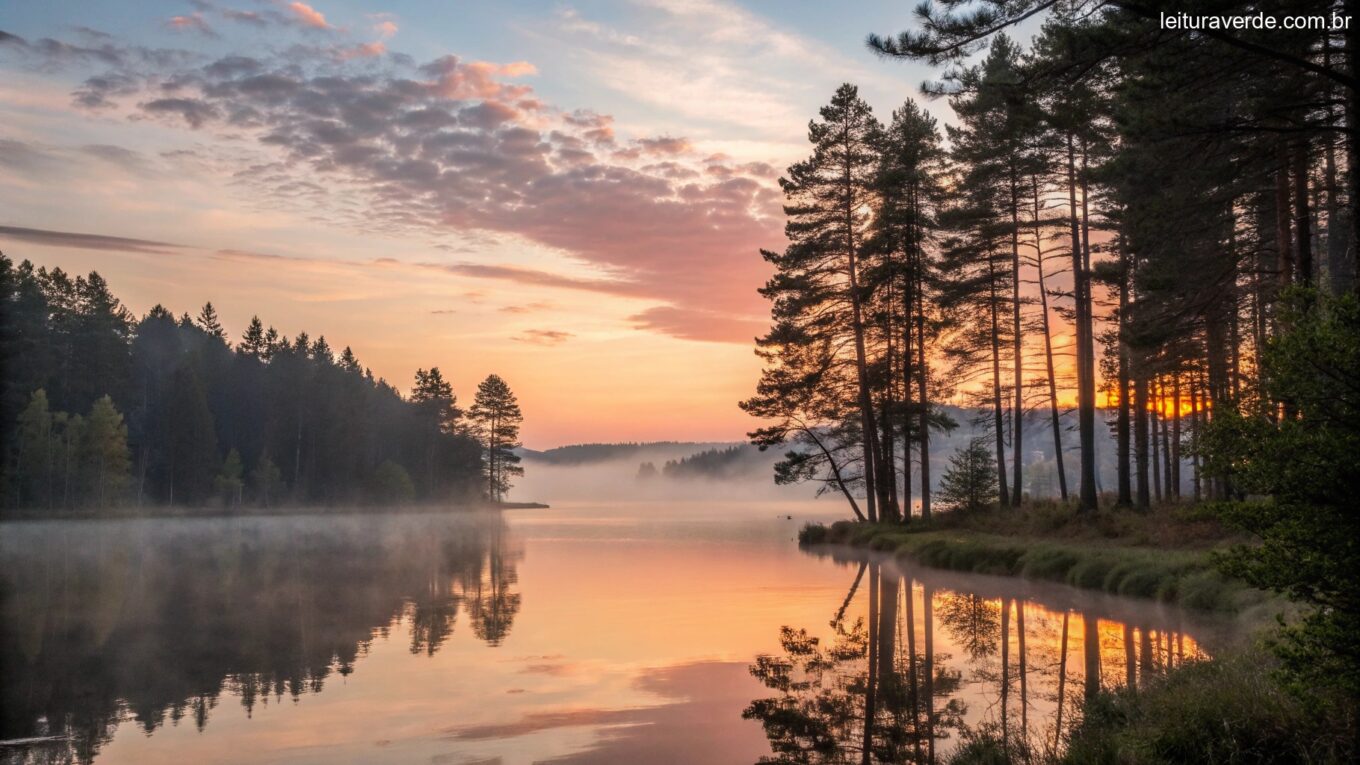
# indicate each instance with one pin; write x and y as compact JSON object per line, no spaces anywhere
{"x":570,"y":195}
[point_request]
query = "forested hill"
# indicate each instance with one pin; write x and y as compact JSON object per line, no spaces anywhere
{"x":589,"y":454}
{"x":100,"y":408}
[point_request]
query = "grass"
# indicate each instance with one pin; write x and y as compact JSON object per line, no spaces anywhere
{"x":1232,"y":709}
{"x":1053,"y":544}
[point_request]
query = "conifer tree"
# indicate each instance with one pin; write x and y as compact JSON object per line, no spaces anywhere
{"x":970,"y":481}
{"x":105,"y":453}
{"x":818,"y":291}
{"x":496,"y":418}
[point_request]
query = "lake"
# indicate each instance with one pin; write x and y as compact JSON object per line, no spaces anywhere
{"x":662,"y":632}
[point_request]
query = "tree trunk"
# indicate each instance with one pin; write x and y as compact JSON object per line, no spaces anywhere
{"x":1048,"y":354}
{"x":1018,"y":413}
{"x":1085,"y":369}
{"x":998,"y":422}
{"x":1285,"y":264}
{"x":1303,"y":216}
{"x":1122,"y":424}
{"x":1140,"y":429}
{"x":1176,"y":437}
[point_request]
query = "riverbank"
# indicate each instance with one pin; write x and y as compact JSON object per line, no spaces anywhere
{"x":248,"y":511}
{"x":1126,"y":555}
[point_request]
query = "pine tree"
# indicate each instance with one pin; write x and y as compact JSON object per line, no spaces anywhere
{"x":36,"y":459}
{"x":253,"y":342}
{"x":208,"y":322}
{"x":439,"y":413}
{"x":266,"y":480}
{"x":191,"y":438}
{"x":496,"y":418}
{"x":908,"y":183}
{"x":970,"y":481}
{"x":230,"y":482}
{"x":818,"y":294}
{"x":105,"y":456}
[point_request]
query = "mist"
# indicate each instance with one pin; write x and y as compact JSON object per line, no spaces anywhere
{"x":617,"y":478}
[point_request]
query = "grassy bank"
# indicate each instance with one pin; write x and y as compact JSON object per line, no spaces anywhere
{"x":1231,"y":709}
{"x":1081,"y":554}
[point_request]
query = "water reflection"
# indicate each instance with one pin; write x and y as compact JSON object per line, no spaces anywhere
{"x":102,"y":624}
{"x":928,"y":670}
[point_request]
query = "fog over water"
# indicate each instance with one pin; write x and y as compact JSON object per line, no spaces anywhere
{"x":619,"y":631}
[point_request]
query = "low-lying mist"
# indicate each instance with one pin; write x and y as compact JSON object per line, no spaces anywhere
{"x":642,"y":472}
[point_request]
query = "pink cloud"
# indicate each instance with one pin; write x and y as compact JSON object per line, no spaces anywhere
{"x":452,"y":145}
{"x":191,"y":23}
{"x":362,"y":50}
{"x":308,"y":16}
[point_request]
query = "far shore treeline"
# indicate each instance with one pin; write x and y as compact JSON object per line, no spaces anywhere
{"x":102,"y":410}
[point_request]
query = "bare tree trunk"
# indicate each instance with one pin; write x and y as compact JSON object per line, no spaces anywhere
{"x":1048,"y":355}
{"x":923,"y":378}
{"x":1018,"y":413}
{"x":1155,"y":418}
{"x":1194,"y":433}
{"x":1140,"y":430}
{"x":1122,"y":424}
{"x":1285,"y":265}
{"x":1303,"y":216}
{"x":1085,"y":384}
{"x":998,"y":423}
{"x":1176,"y":436}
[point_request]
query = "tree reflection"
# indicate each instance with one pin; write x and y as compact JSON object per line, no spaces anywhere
{"x":159,"y":622}
{"x":878,"y":689}
{"x":867,"y":696}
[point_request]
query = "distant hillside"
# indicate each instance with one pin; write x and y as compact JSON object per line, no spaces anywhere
{"x":682,"y":460}
{"x":735,"y":461}
{"x":589,"y":454}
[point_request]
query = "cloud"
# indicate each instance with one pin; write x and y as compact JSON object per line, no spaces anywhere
{"x":131,"y":161}
{"x":533,"y":307}
{"x":194,"y":111}
{"x":361,"y":50}
{"x":460,"y":145}
{"x":543,"y":337}
{"x":386,"y":27}
{"x":194,"y":22}
{"x":252,"y":18}
{"x":86,"y":241}
{"x":693,"y":324}
{"x":308,"y":16}
{"x":24,"y":157}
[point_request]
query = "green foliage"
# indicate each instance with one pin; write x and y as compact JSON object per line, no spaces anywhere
{"x":1188,"y":578}
{"x":105,"y":455}
{"x":969,"y":483}
{"x":1301,"y":460}
{"x":390,"y":484}
{"x":230,"y":483}
{"x":496,"y":418}
{"x":266,"y":480}
{"x":68,"y":461}
{"x":1225,"y":710}
{"x":304,"y":419}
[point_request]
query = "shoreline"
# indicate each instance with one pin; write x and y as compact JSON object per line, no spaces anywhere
{"x":191,"y":513}
{"x":1185,"y":578}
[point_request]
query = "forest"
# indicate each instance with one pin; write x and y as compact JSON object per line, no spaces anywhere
{"x":1154,"y":231}
{"x":103,"y":412}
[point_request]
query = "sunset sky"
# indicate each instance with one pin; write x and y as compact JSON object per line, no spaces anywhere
{"x":571,"y":195}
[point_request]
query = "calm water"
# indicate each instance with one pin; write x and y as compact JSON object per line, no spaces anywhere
{"x":605,"y":634}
